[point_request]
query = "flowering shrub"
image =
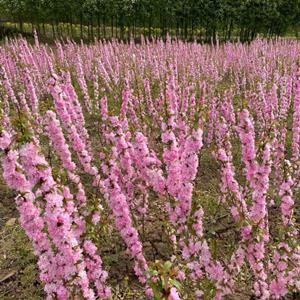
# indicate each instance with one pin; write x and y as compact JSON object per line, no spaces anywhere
{"x":124,"y":140}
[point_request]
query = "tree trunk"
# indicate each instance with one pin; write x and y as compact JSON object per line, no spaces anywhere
{"x":241,"y":34}
{"x":150,"y":25}
{"x":121,"y":23}
{"x":144,"y":27}
{"x":92,"y":27}
{"x":53,"y":29}
{"x":192,"y":33}
{"x":104,"y":26}
{"x":21,"y":24}
{"x":98,"y":25}
{"x":81,"y":26}
{"x":71,"y":25}
{"x":230,"y":30}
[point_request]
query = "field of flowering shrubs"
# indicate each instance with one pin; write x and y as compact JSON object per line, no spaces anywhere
{"x":173,"y":165}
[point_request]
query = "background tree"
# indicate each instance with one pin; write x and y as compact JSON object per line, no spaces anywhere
{"x":188,"y":19}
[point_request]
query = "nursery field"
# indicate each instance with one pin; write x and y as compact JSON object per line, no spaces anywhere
{"x":164,"y":170}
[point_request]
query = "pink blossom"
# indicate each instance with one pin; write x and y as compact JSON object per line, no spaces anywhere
{"x":173,"y":294}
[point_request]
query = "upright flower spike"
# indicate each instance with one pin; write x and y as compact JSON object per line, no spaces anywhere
{"x":74,"y":108}
{"x":31,"y":218}
{"x":117,"y":191}
{"x":7,"y":85}
{"x":77,"y":142}
{"x":247,"y":136}
{"x":61,"y":147}
{"x":82,"y":83}
{"x":120,"y":209}
{"x":296,"y":123}
{"x":34,"y":102}
{"x":58,"y":141}
{"x":56,"y":217}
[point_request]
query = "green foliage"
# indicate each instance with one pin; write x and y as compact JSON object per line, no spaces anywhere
{"x":162,"y":279}
{"x":188,"y":19}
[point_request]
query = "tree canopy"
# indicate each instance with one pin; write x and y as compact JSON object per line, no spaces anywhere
{"x":206,"y":19}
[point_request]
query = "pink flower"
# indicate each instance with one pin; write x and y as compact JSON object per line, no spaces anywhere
{"x":5,"y":140}
{"x":173,"y":294}
{"x":278,"y":288}
{"x":89,"y":247}
{"x":181,"y":275}
{"x":96,"y":218}
{"x":149,"y":293}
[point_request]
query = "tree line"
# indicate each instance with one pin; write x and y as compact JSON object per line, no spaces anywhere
{"x":188,"y":19}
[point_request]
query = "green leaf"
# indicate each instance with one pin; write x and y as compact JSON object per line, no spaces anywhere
{"x":168,"y":265}
{"x":175,"y":283}
{"x":37,"y":186}
{"x":41,"y":167}
{"x":153,"y":272}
